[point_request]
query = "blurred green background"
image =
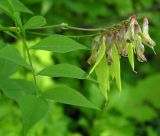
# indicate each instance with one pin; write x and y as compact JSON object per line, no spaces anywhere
{"x":133,"y":112}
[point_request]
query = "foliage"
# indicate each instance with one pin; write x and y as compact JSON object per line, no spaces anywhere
{"x":25,"y":65}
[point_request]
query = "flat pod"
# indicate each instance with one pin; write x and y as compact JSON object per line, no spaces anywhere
{"x":103,"y":76}
{"x":116,"y":66}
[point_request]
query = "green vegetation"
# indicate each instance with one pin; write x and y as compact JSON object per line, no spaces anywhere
{"x":58,"y":60}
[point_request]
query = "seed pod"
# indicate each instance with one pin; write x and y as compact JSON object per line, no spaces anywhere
{"x":116,"y":66}
{"x":100,"y":53}
{"x":103,"y":76}
{"x":131,"y":55}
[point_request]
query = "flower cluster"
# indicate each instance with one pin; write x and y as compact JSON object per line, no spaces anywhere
{"x":125,"y":39}
{"x":129,"y":33}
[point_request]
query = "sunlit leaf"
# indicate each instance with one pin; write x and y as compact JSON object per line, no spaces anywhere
{"x":59,"y":44}
{"x":103,"y":76}
{"x":116,"y":66}
{"x":35,"y":21}
{"x":67,"y":95}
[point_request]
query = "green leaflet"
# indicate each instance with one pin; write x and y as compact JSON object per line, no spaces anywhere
{"x":131,"y":55}
{"x":67,"y":95}
{"x":64,"y":70}
{"x":11,"y":6}
{"x":11,"y":54}
{"x":23,"y":92}
{"x":59,"y":44}
{"x":35,"y":21}
{"x":101,"y":53}
{"x":16,"y":88}
{"x":7,"y":68}
{"x":103,"y":76}
{"x":116,"y":66}
{"x":20,"y":7}
{"x":33,"y":109}
{"x":17,"y":18}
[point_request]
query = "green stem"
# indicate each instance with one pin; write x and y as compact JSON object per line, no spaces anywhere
{"x":72,"y":36}
{"x":12,"y":29}
{"x":23,"y":38}
{"x":66,"y":26}
{"x":30,"y":61}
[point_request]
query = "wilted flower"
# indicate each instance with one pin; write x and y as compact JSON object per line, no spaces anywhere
{"x":129,"y":35}
{"x":125,"y":39}
{"x":140,"y":49}
{"x":95,"y":47}
{"x":122,"y":35}
{"x":145,"y":35}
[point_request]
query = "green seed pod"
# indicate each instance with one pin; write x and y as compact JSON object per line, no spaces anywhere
{"x":116,"y":66}
{"x":103,"y":76}
{"x":100,"y":53}
{"x":131,"y":55}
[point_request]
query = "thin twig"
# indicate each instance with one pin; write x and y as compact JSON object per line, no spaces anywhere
{"x":72,"y":36}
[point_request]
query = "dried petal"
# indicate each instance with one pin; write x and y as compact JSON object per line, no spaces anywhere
{"x":95,"y":47}
{"x":129,"y":36}
{"x":109,"y":42}
{"x":125,"y":50}
{"x":140,"y":49}
{"x":145,"y":35}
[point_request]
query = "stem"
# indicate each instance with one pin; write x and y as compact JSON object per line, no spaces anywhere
{"x":22,"y":37}
{"x":87,"y":29}
{"x":30,"y":62}
{"x":66,"y":26}
{"x":72,"y":36}
{"x":12,"y":29}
